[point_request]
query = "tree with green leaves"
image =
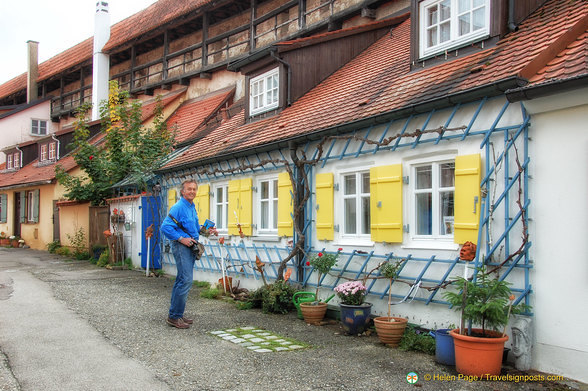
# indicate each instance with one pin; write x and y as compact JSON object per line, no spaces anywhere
{"x":127,"y":150}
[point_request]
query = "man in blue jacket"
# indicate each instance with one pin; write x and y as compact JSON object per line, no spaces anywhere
{"x":184,"y":212}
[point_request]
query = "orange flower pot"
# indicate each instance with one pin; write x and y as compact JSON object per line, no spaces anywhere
{"x":313,"y":314}
{"x":390,"y":329}
{"x":477,"y":356}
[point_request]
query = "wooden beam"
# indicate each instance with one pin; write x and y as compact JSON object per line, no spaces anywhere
{"x":252,"y":26}
{"x":205,"y":39}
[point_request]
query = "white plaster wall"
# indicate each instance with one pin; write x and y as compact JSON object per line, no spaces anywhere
{"x":559,"y":196}
{"x":16,"y":128}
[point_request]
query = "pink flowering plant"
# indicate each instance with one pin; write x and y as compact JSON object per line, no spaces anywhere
{"x":351,"y":292}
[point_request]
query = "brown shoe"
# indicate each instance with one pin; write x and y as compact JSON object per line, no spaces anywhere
{"x":187,"y":320}
{"x":177,"y":323}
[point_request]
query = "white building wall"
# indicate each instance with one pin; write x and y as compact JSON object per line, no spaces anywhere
{"x":559,"y":196}
{"x":16,"y":128}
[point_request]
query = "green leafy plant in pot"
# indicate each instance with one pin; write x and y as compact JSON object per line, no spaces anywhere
{"x":390,"y":328}
{"x":487,"y":302}
{"x":314,"y":312}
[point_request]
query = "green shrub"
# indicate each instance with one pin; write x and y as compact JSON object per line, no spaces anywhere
{"x":201,"y":284}
{"x":103,"y":260}
{"x":210,"y":293}
{"x":244,"y":305}
{"x":128,"y":263}
{"x":82,"y":255}
{"x":78,"y":243}
{"x":53,"y":246}
{"x":417,"y":340}
{"x":274,"y":298}
{"x":65,"y":251}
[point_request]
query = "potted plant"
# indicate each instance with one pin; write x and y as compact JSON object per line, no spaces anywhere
{"x":486,"y":302}
{"x":14,"y":241}
{"x":4,"y":241}
{"x":390,"y":328}
{"x":355,"y":313}
{"x":314,"y":312}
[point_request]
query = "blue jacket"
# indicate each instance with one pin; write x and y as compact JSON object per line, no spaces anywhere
{"x":185,"y":213}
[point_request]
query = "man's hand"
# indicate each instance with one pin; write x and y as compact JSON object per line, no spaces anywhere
{"x":187,"y":241}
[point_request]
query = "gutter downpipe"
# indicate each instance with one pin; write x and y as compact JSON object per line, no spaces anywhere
{"x":56,"y":146}
{"x":511,"y":24}
{"x":289,"y":69}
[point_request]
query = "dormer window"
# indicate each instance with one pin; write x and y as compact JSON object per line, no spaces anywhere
{"x":264,"y":92}
{"x":43,"y":153}
{"x":9,"y":161}
{"x":38,"y":127}
{"x":51,"y":151}
{"x":16,"y":160}
{"x":448,"y":24}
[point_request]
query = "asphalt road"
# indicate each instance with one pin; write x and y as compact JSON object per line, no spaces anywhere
{"x":69,"y":325}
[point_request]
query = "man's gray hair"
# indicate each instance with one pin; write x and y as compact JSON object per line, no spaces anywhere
{"x":185,"y":183}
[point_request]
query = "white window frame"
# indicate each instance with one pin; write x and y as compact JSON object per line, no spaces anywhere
{"x":52,"y":150}
{"x":37,"y":124}
{"x":30,"y":205}
{"x":16,"y":160}
{"x":272,"y":200}
{"x":9,"y":161}
{"x":43,"y":153}
{"x":358,"y":238}
{"x":222,"y":221}
{"x":455,"y":40}
{"x":264,"y":92}
{"x":437,"y":239}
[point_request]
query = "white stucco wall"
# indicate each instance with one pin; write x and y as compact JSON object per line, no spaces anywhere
{"x":559,"y":194}
{"x":16,"y":128}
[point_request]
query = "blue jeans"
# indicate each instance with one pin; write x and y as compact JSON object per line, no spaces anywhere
{"x":184,"y":279}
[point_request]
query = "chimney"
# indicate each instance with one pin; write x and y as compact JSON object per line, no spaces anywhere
{"x":101,"y":61}
{"x":32,"y":71}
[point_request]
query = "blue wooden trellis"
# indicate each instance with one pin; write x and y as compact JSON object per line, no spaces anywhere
{"x":496,"y":241}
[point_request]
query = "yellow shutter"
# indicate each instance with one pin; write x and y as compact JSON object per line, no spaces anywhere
{"x":324,"y":207}
{"x":285,"y":205}
{"x":171,"y":198}
{"x":245,"y":206}
{"x":240,"y":203}
{"x":468,"y":175}
{"x":202,"y":202}
{"x":386,"y":203}
{"x":233,"y":212}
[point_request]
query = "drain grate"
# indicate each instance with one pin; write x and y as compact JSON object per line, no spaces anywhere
{"x":259,"y":340}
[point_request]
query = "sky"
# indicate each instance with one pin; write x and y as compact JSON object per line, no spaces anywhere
{"x":56,"y":24}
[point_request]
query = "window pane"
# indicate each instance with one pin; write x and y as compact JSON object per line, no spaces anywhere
{"x":350,"y":184}
{"x":219,"y":217}
{"x":447,"y":174}
{"x":464,"y":24}
{"x":275,"y":193}
{"x":479,"y":19}
{"x":446,"y":208}
{"x":432,"y":37}
{"x":264,"y":190}
{"x":365,"y":183}
{"x":365,"y":215}
{"x":219,"y":195}
{"x":423,"y":177}
{"x":432,"y":16}
{"x":424,"y":214}
{"x":350,"y":216}
{"x":445,"y":32}
{"x":275,"y":215}
{"x":264,"y":214}
{"x":478,"y":3}
{"x":445,"y":10}
{"x":463,"y":6}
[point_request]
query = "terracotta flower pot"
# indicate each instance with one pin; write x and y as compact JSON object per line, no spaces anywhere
{"x":4,"y":242}
{"x":313,"y":312}
{"x":14,"y":243}
{"x":477,"y":356}
{"x":390,"y":332}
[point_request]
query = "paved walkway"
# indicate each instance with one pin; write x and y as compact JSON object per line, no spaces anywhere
{"x":68,"y":325}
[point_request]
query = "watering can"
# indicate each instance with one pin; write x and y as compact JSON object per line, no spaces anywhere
{"x":305,"y":297}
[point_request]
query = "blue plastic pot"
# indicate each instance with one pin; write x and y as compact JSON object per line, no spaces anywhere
{"x":444,"y":349}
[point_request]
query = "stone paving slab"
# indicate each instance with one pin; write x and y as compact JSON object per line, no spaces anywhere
{"x":259,"y":340}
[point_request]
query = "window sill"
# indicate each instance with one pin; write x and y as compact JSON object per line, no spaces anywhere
{"x":354,"y":243}
{"x":433,"y":244}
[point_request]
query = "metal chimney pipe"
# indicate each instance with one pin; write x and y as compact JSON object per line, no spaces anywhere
{"x":32,"y":70}
{"x":101,"y":61}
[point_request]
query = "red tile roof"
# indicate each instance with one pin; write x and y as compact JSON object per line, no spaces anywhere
{"x":192,"y":114}
{"x":156,"y":15}
{"x":380,"y":80}
{"x":33,"y":174}
{"x":148,"y":108}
